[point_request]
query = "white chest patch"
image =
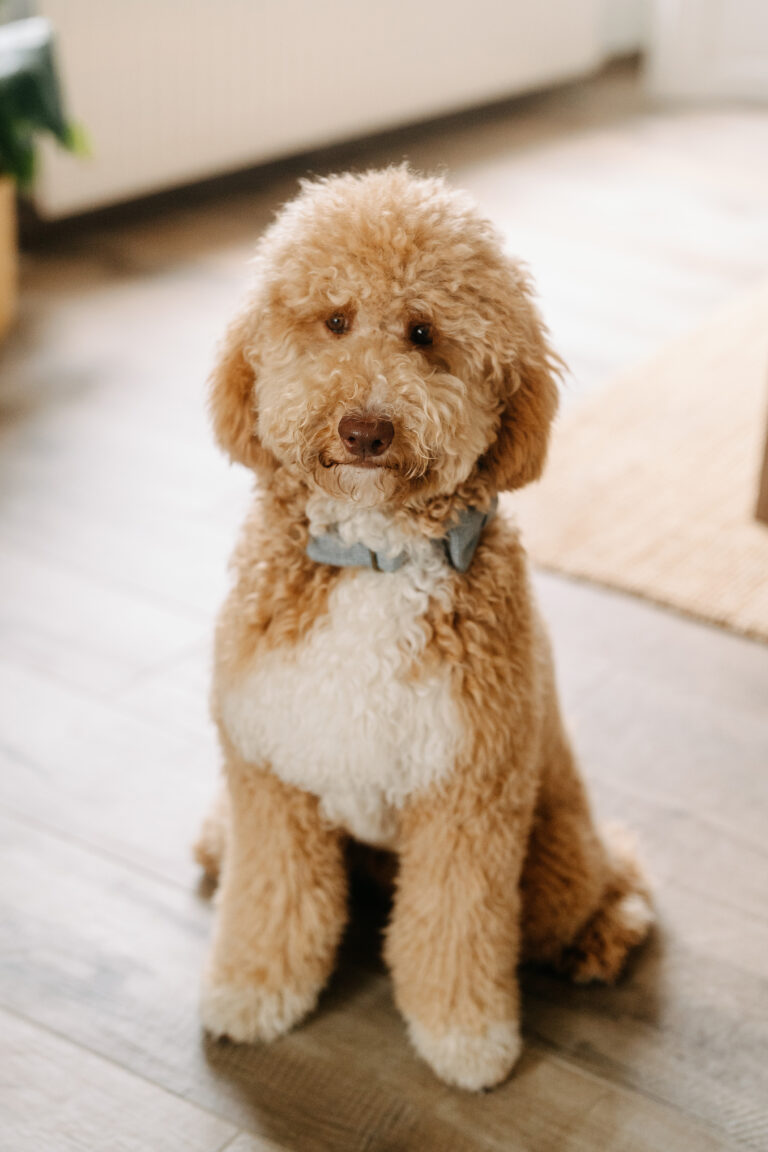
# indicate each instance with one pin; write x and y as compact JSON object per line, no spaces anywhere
{"x":338,"y":715}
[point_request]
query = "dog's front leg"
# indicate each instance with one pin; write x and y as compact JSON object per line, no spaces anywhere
{"x":454,"y":938}
{"x":281,"y":909}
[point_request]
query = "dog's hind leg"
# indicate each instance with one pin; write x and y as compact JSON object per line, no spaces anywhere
{"x":621,"y":921}
{"x":585,"y":901}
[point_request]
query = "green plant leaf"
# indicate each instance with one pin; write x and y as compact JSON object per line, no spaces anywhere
{"x":30,"y":98}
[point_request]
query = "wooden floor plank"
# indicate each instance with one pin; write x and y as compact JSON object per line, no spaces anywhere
{"x":72,"y":628}
{"x":134,"y":788}
{"x":709,"y":666}
{"x":247,"y":1143}
{"x":670,"y":710}
{"x":56,"y":1096}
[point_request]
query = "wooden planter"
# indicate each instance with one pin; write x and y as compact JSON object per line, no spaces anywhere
{"x":8,"y":256}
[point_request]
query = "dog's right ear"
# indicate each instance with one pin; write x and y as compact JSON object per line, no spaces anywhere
{"x":231,"y":398}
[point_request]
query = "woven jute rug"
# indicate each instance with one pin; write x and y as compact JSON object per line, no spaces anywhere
{"x":652,"y":482}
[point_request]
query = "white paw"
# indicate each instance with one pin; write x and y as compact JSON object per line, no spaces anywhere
{"x":469,"y":1060}
{"x":247,"y":1013}
{"x":635,"y":914}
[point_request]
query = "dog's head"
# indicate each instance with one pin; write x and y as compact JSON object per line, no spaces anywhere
{"x":389,"y":350}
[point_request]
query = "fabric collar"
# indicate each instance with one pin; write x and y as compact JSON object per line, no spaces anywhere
{"x":459,"y":545}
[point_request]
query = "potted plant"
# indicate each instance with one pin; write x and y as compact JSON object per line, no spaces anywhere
{"x":30,"y":104}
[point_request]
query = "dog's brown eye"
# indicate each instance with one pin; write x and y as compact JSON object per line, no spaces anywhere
{"x":338,"y":324}
{"x":420,"y":334}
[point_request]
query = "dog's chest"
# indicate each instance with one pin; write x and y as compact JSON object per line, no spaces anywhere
{"x":349,"y":714}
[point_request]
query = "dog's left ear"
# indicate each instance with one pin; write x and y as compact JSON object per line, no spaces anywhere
{"x":231,"y":396}
{"x":529,"y":372}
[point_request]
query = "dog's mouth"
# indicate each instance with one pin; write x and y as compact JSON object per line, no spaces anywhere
{"x":387,"y":470}
{"x":364,"y":462}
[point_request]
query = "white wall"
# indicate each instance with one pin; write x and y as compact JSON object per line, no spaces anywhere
{"x":709,"y":49}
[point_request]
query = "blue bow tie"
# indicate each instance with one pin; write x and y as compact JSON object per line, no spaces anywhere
{"x":459,"y":545}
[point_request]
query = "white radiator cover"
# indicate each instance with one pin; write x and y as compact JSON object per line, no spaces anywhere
{"x":173,"y":91}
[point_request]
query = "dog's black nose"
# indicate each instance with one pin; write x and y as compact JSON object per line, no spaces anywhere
{"x":366,"y":436}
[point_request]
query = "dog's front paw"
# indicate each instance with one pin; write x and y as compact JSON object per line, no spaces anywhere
{"x":248,"y":1013}
{"x":471,"y":1060}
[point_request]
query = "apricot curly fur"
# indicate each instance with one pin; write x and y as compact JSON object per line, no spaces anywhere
{"x":416,"y":711}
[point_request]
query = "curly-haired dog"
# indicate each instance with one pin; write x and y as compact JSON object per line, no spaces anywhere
{"x":381,"y":671}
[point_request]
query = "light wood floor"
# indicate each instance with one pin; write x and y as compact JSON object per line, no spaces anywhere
{"x":116,"y":517}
